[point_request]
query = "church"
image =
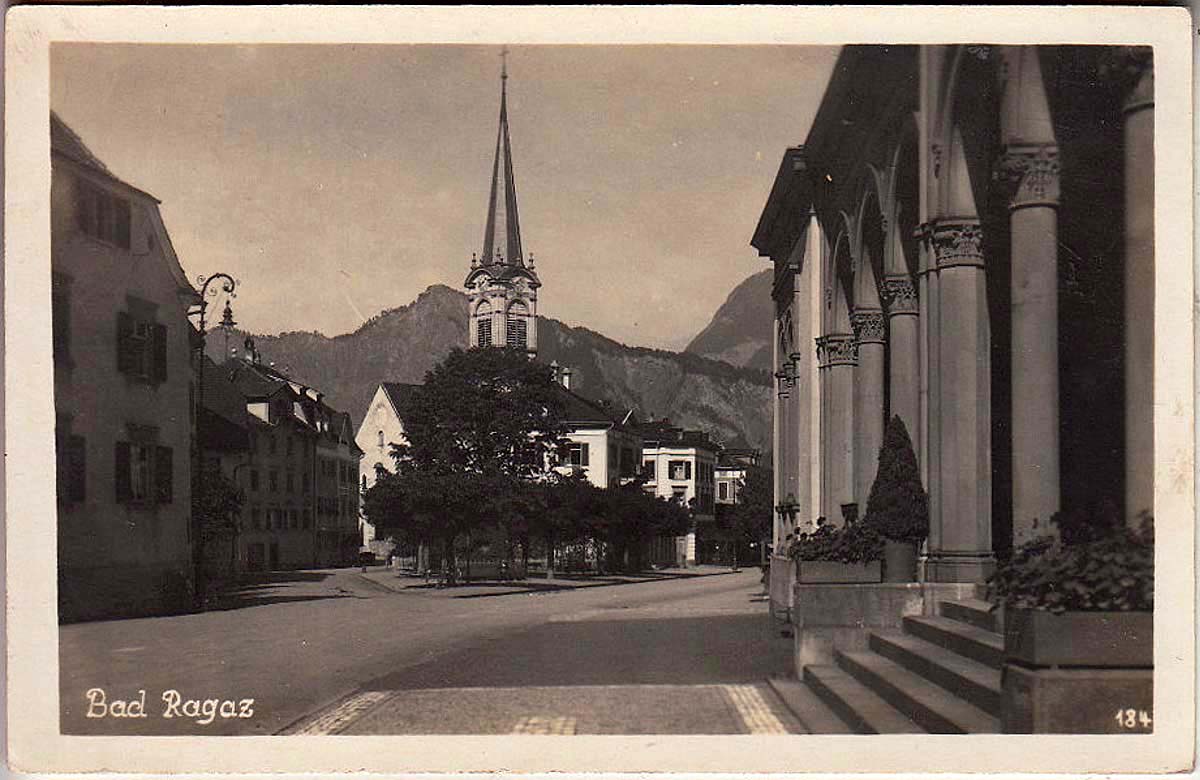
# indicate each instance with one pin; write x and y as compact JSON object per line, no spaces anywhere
{"x":966,"y":240}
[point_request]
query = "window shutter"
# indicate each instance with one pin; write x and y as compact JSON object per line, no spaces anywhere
{"x":164,"y":474}
{"x":121,"y":472}
{"x":583,"y":454}
{"x":687,"y":469}
{"x":124,"y":346}
{"x":77,"y":468}
{"x":123,"y":219}
{"x":160,"y":353}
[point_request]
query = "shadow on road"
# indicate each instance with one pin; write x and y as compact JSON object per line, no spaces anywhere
{"x":494,"y":588}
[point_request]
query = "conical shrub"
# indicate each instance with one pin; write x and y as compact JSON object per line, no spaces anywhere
{"x":898,"y":505}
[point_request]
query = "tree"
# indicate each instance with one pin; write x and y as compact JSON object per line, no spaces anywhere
{"x":750,"y":519}
{"x":481,"y":432}
{"x":898,"y":505}
{"x":484,"y":409}
{"x":217,"y":506}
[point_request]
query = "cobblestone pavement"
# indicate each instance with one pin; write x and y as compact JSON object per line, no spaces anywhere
{"x":684,"y":655}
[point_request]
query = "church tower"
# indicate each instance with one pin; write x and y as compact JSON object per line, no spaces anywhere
{"x":502,"y":285}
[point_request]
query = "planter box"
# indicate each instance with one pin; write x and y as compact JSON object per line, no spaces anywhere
{"x":834,"y":572}
{"x":1035,"y":637}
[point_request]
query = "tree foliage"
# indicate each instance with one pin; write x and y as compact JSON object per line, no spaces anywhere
{"x":217,"y":504}
{"x":898,"y":505}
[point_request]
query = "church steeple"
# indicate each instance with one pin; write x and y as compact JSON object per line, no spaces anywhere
{"x":502,"y":284}
{"x":502,"y":237}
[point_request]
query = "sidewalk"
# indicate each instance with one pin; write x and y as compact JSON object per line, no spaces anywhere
{"x":413,"y":584}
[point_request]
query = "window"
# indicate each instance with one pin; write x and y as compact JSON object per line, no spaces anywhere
{"x":60,"y":312}
{"x":627,"y":462}
{"x":273,"y":480}
{"x":103,"y":215}
{"x":679,"y":496}
{"x":648,"y":469}
{"x":141,"y":347}
{"x":723,"y":491}
{"x":364,"y":482}
{"x":680,"y":470}
{"x":71,"y":464}
{"x":485,"y":332}
{"x":577,"y":454}
{"x":515,"y":326}
{"x":381,"y":439}
{"x":254,"y":479}
{"x":144,"y":471}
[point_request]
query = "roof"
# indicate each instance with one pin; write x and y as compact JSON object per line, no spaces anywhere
{"x":398,"y":393}
{"x":661,"y":433}
{"x":65,"y":142}
{"x":581,"y":411}
{"x":221,"y":396}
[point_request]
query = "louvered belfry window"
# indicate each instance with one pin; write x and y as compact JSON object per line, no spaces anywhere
{"x":515,"y":329}
{"x":485,"y":331}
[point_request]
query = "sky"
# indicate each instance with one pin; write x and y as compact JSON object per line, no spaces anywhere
{"x":336,"y":181}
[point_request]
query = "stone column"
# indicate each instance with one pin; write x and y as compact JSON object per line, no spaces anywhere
{"x":840,"y":360}
{"x":1139,"y":285}
{"x":776,"y":441}
{"x":826,"y":453}
{"x":904,"y":349}
{"x":960,"y":540}
{"x":868,"y":328}
{"x":1034,"y":310}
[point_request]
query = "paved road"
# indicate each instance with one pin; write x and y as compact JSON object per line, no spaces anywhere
{"x":335,"y":652}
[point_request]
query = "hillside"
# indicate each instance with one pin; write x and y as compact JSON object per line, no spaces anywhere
{"x":740,"y":331}
{"x":401,"y":344}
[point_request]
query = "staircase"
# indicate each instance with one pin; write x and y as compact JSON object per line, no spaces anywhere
{"x":938,"y":675}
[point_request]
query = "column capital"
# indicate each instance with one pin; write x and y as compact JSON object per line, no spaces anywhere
{"x":957,"y":242}
{"x":900,"y":295}
{"x":837,"y":349}
{"x":869,"y":326}
{"x":1032,"y":173}
{"x":1131,"y":69}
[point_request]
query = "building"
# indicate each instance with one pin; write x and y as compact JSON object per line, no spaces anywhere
{"x":603,"y":443}
{"x":301,"y":476}
{"x":223,"y":432}
{"x":730,"y":472}
{"x":966,"y":241}
{"x":381,"y":427}
{"x":502,"y":284}
{"x":680,"y":465}
{"x":122,"y":392}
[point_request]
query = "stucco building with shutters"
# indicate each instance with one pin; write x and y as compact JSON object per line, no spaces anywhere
{"x":122,"y":392}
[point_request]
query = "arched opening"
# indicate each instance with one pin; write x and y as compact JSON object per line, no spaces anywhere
{"x":516,"y":326}
{"x":483,"y":325}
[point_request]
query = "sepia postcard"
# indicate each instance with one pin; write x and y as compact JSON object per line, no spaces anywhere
{"x":599,"y":390}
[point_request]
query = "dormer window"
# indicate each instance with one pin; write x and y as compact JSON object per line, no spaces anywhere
{"x":102,"y":215}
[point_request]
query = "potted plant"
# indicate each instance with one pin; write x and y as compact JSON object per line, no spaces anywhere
{"x":898,"y":507}
{"x":850,"y":554}
{"x":1080,"y":599}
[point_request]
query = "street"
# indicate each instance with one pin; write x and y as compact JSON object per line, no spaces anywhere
{"x":321,"y":652}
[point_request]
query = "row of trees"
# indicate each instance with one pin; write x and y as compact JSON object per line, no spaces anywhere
{"x":476,"y":471}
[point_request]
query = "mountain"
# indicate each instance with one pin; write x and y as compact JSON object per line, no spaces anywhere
{"x":740,"y":332}
{"x":399,"y":345}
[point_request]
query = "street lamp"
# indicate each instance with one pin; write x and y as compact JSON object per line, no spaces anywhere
{"x":228,"y":284}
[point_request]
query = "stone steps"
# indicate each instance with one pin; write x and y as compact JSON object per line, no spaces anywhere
{"x":930,"y":706}
{"x":975,"y":643}
{"x":813,"y":713}
{"x":976,"y":612}
{"x":861,"y":709}
{"x":968,"y":679}
{"x":939,"y":674}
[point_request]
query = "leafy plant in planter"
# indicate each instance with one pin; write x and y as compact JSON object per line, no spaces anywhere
{"x":1082,"y":600}
{"x":857,"y":543}
{"x":1114,"y":572}
{"x":898,"y":506}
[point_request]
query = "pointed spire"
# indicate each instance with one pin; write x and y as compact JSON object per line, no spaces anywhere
{"x":502,"y":238}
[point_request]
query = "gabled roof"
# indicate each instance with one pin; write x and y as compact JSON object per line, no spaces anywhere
{"x":221,"y":394}
{"x":65,"y":142}
{"x":398,"y":393}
